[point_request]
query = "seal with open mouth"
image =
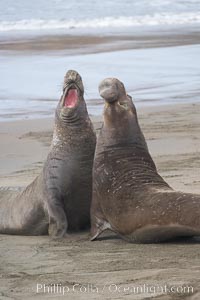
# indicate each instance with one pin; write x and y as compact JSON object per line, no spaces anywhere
{"x":129,"y":196}
{"x":58,"y":200}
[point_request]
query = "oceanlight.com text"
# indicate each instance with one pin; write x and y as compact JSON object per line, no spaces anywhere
{"x":62,"y":290}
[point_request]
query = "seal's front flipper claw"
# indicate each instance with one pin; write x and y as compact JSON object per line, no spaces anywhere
{"x":98,"y":227}
{"x":57,"y":221}
{"x":57,"y":230}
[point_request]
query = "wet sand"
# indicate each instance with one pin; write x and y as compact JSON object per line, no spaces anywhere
{"x":156,"y":67}
{"x":109,"y":268}
{"x":93,"y":43}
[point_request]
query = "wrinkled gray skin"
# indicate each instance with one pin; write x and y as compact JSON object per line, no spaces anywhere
{"x":129,"y":196}
{"x":59,"y":198}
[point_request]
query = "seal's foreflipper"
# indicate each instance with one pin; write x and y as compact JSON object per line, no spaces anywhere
{"x":98,"y":226}
{"x":99,"y":222}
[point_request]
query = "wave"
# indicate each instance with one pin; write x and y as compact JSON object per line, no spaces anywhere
{"x":110,"y":22}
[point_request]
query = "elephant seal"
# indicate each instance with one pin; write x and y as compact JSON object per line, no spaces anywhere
{"x":59,"y":198}
{"x":129,"y":196}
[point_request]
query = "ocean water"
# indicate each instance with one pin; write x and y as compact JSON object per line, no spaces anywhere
{"x":31,"y":84}
{"x":64,"y":15}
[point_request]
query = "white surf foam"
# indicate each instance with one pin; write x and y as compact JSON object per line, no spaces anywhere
{"x":107,"y":22}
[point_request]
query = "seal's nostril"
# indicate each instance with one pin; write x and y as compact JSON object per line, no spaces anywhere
{"x":112,"y":90}
{"x":72,"y":75}
{"x":108,"y":94}
{"x":73,"y":79}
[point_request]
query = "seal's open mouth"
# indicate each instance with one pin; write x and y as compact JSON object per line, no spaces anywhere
{"x":71,"y":98}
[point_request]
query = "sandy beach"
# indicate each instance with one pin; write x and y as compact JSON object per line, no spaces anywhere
{"x":153,"y":47}
{"x":110,"y":267}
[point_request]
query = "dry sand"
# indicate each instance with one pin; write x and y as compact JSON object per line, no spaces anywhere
{"x":173,"y":136}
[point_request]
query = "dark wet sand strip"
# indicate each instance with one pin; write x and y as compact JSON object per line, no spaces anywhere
{"x":76,"y":44}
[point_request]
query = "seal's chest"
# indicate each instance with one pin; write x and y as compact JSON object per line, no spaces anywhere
{"x":76,"y":175}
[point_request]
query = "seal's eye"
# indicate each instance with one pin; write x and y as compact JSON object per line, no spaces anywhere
{"x":124,"y":105}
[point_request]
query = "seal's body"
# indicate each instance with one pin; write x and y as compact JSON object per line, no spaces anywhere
{"x":59,"y":198}
{"x":129,"y":196}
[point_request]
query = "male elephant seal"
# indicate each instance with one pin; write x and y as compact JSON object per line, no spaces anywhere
{"x":129,"y":196}
{"x":59,"y":198}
